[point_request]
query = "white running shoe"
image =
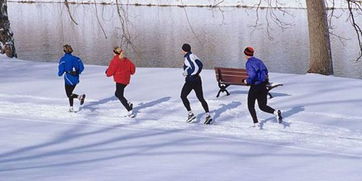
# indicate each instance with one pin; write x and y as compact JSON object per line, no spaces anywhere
{"x":208,"y":119}
{"x":256,"y":125}
{"x":190,"y":117}
{"x":278,"y":113}
{"x":131,"y":114}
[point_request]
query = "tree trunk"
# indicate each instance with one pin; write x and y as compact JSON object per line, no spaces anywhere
{"x":320,"y":58}
{"x":6,"y":35}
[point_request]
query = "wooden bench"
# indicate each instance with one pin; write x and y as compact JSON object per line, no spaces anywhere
{"x":233,"y":76}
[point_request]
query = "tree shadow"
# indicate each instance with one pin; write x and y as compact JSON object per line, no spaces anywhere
{"x":274,"y":94}
{"x":216,"y":113}
{"x":142,"y":105}
{"x":285,"y":114}
{"x":224,"y":108}
{"x":91,"y":105}
{"x":150,"y":150}
{"x":65,"y":136}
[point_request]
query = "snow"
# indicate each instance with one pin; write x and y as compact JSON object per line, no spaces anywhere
{"x":320,"y":139}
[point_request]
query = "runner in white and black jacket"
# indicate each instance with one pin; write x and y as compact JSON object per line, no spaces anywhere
{"x":192,"y":69}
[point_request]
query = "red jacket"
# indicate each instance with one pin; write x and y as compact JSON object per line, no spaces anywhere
{"x":121,"y":69}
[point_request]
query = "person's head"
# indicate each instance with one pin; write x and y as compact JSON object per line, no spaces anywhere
{"x":249,"y":52}
{"x":186,"y":48}
{"x":118,"y":51}
{"x":67,"y":48}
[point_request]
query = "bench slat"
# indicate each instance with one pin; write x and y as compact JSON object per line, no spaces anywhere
{"x":236,"y":75}
{"x":231,"y":76}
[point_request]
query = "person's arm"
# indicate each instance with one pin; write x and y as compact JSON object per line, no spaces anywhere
{"x":80,"y":66}
{"x":61,"y":67}
{"x":188,"y":67}
{"x":251,"y":73}
{"x":199,"y":64}
{"x":132,"y":67}
{"x":111,"y":68}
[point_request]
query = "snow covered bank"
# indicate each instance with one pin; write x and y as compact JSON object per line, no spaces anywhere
{"x":322,"y":120}
{"x":325,"y":106}
{"x":241,"y":3}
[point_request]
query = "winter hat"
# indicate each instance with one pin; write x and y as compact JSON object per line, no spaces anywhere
{"x":186,"y":47}
{"x":67,"y":48}
{"x":117,"y":50}
{"x":249,"y":51}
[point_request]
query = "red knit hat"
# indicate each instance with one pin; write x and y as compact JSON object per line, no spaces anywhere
{"x":249,"y":51}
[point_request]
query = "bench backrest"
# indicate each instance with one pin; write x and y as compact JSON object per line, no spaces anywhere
{"x":231,"y":76}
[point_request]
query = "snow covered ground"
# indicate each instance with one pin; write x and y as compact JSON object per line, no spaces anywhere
{"x":321,"y":138}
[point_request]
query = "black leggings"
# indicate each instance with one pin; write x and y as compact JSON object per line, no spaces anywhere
{"x":195,"y":85}
{"x":119,"y":94}
{"x":69,"y":91}
{"x":259,"y":93}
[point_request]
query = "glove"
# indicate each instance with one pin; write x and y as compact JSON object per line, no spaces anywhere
{"x":184,"y":73}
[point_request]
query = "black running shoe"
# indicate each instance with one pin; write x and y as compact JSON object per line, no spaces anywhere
{"x":82,"y":99}
{"x":279,"y":116}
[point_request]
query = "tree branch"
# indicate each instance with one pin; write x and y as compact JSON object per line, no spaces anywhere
{"x":99,"y":22}
{"x":70,"y":14}
{"x":356,"y":26}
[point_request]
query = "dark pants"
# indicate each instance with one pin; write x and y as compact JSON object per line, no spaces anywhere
{"x":195,"y":85}
{"x":69,"y":90}
{"x":259,"y":93}
{"x":120,"y":95}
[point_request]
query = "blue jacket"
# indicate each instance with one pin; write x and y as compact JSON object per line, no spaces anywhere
{"x":67,"y":64}
{"x":192,"y":66}
{"x":257,"y":71}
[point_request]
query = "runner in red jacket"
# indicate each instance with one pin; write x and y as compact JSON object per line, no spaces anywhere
{"x":121,"y":68}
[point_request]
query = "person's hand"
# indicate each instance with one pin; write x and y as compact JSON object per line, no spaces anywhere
{"x":245,"y":82}
{"x":184,"y":73}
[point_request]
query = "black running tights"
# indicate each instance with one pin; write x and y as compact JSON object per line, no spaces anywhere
{"x":69,"y":90}
{"x":195,"y":85}
{"x":120,"y":95}
{"x":259,"y":93}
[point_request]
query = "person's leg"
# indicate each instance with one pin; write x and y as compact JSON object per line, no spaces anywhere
{"x":119,"y":94}
{"x":251,"y":103}
{"x":186,"y":89}
{"x":200,"y":94}
{"x":262,"y":99}
{"x":69,"y":91}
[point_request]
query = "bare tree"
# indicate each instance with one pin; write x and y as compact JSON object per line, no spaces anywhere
{"x":6,"y":35}
{"x":320,"y":57}
{"x":271,"y":16}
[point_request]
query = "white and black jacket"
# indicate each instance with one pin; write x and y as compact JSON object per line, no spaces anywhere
{"x":192,"y":66}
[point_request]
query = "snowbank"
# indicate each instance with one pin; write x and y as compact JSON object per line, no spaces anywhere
{"x":325,"y":106}
{"x":322,"y":117}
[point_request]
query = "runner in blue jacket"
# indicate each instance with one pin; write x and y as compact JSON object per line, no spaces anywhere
{"x":258,"y":79}
{"x":71,"y":66}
